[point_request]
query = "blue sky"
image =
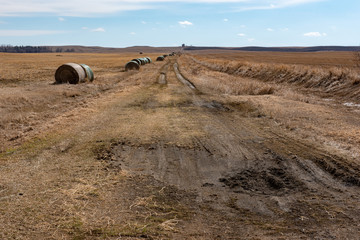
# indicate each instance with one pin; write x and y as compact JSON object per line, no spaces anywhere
{"x":230,"y":23}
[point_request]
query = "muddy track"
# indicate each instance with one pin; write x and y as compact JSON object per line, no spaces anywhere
{"x":338,"y":167}
{"x":226,"y":151}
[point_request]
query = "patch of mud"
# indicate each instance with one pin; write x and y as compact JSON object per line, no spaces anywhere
{"x":272,"y":181}
{"x":105,"y":154}
{"x":339,"y":168}
{"x":215,"y":105}
{"x":188,"y":167}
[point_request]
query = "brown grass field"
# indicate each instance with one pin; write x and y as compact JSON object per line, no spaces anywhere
{"x":265,"y":146}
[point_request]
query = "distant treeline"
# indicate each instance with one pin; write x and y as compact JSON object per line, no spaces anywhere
{"x":30,"y":49}
{"x":24,"y":49}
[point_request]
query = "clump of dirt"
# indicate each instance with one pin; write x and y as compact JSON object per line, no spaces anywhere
{"x":272,"y":181}
{"x":104,"y":153}
{"x":216,"y":106}
{"x":341,"y":169}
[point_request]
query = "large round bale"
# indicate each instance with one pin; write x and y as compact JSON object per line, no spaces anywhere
{"x":143,"y":61}
{"x":160,"y":58}
{"x":71,"y":73}
{"x":132,"y":65}
{"x":89,"y":73}
{"x":149,"y":59}
{"x":137,"y":60}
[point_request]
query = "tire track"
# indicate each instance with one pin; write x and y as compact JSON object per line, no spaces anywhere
{"x":182,"y":79}
{"x":163,"y":72}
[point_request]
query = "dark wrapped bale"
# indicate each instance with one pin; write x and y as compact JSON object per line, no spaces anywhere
{"x":71,"y":73}
{"x":149,"y":59}
{"x":89,"y":73}
{"x":132,"y":65}
{"x":160,"y":58}
{"x":137,"y":60}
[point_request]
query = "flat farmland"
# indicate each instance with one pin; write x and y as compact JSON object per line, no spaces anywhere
{"x":203,"y":145}
{"x":323,"y":59}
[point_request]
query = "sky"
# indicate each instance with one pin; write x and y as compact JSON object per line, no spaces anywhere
{"x":227,"y":23}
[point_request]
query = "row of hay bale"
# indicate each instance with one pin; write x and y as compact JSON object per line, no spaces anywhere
{"x":162,"y":57}
{"x":136,"y":63}
{"x":73,"y":73}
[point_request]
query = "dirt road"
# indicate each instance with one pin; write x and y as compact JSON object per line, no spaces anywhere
{"x":162,"y":159}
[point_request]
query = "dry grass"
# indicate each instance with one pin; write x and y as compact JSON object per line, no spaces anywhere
{"x":342,"y":83}
{"x":357,"y":59}
{"x":52,"y":187}
{"x":29,"y":100}
{"x":317,"y":59}
{"x":221,"y":82}
{"x":41,"y":67}
{"x":292,"y":100}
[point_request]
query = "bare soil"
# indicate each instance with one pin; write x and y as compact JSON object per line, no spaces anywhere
{"x":154,"y":155}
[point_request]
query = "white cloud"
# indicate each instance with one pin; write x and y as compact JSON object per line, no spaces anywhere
{"x":251,"y":39}
{"x":143,"y":22}
{"x":270,"y":29}
{"x":315,"y":34}
{"x":94,"y":7}
{"x":241,"y":34}
{"x":185,"y":23}
{"x":84,"y":28}
{"x":243,"y":26}
{"x":133,"y":33}
{"x":264,"y":4}
{"x":61,"y":19}
{"x":284,"y":29}
{"x":98,"y":30}
{"x":26,"y":33}
{"x":226,"y":20}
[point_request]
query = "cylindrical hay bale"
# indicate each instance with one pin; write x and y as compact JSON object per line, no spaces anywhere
{"x":71,"y":73}
{"x":160,"y":58}
{"x":137,"y":60}
{"x":132,"y":65}
{"x":149,"y":59}
{"x":143,"y":60}
{"x":89,"y":73}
